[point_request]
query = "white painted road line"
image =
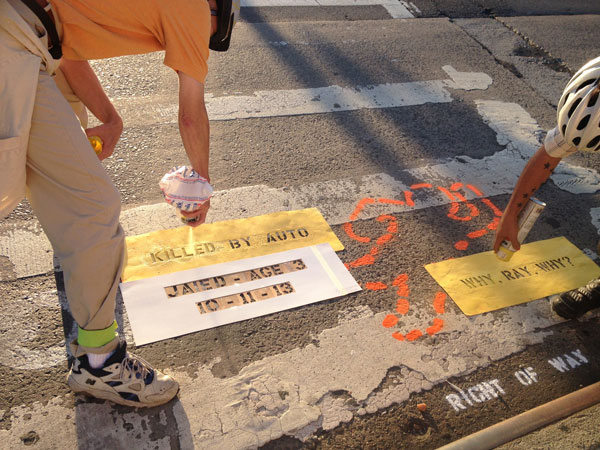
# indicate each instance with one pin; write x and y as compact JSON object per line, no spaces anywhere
{"x":271,"y":3}
{"x":397,"y":9}
{"x":291,"y":102}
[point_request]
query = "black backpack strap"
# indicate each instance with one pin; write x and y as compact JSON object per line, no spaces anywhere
{"x":55,"y":49}
{"x":220,"y":40}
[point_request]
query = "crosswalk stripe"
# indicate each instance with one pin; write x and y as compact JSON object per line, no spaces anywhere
{"x":290,"y":102}
{"x":398,"y":10}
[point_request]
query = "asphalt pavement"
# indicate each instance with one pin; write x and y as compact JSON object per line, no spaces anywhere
{"x":406,"y":124}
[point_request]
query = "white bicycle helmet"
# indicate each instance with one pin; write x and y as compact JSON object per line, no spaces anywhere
{"x":578,"y":114}
{"x":227,"y":13}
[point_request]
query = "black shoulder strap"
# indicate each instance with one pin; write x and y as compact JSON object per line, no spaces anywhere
{"x":54,"y":49}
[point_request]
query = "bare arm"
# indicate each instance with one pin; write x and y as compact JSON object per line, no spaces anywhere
{"x":85,"y":85}
{"x":195,"y":132}
{"x":537,"y":170}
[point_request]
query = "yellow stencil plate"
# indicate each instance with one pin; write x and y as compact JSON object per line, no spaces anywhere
{"x":168,"y":251}
{"x":481,"y":283}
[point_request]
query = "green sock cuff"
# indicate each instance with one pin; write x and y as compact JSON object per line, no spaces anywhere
{"x":96,"y":338}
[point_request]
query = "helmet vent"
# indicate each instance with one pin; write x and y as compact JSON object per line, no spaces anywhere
{"x":576,"y":141}
{"x":583,"y":123}
{"x":574,"y":107}
{"x":585,"y":83}
{"x":563,"y":129}
{"x":593,"y":99}
{"x":594,"y":142}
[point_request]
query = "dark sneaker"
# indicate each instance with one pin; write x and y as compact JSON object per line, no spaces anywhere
{"x":575,"y":303}
{"x":125,"y":379}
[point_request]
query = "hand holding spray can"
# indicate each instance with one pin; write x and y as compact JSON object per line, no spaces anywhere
{"x":186,"y":190}
{"x":525,"y":221}
{"x":96,"y":143}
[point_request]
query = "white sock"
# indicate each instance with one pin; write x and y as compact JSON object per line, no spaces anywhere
{"x":97,"y":360}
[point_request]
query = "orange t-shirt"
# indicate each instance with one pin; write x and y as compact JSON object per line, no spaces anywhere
{"x":94,"y":29}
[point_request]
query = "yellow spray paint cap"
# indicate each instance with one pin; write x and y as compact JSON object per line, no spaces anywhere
{"x":96,"y":143}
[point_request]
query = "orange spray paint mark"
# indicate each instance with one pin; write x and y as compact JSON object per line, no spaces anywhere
{"x":384,"y":239}
{"x":401,"y":283}
{"x":390,"y":321}
{"x":376,"y":286}
{"x":348,"y":226}
{"x":475,"y":190}
{"x":455,"y":205}
{"x":414,"y":335}
{"x":350,"y":232}
{"x":365,"y":260}
{"x":438,"y":324}
{"x":370,"y":257}
{"x":461,"y":198}
{"x":494,"y":208}
{"x":457,"y":201}
{"x":402,"y":306}
{"x":397,"y":335}
{"x":393,"y":222}
{"x":360,"y":207}
{"x":494,"y":224}
{"x":421,"y":186}
{"x":448,"y":194}
{"x":400,"y":279}
{"x":461,"y":245}
{"x":478,"y":233}
{"x":390,"y":201}
{"x":439,"y":302}
{"x":454,"y":208}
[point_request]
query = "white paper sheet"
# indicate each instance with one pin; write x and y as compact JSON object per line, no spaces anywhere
{"x":155,"y":316}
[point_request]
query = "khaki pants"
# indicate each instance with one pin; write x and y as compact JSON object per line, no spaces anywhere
{"x":69,"y":191}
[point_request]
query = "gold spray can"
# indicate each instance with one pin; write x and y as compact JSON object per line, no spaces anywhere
{"x":96,"y":143}
{"x":525,"y":221}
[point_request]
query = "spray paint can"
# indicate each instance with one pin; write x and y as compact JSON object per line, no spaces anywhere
{"x":525,"y":221}
{"x":96,"y":143}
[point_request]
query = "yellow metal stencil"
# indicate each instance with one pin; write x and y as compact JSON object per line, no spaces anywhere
{"x":168,"y":251}
{"x":482,"y":283}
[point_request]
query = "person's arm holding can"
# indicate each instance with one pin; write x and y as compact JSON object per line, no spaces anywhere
{"x":193,"y":118}
{"x":85,"y":85}
{"x":195,"y":134}
{"x":194,"y":128}
{"x":578,"y":128}
{"x":536,"y":172}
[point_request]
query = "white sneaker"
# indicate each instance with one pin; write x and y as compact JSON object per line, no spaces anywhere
{"x":125,"y":379}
